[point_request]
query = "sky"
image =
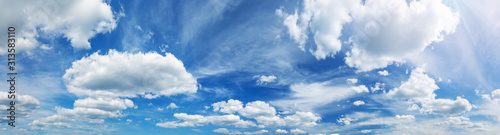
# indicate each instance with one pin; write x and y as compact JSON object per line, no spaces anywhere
{"x":253,"y":67}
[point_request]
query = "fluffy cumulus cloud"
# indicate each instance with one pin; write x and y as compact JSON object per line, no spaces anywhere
{"x":309,"y":96}
{"x":381,"y":28}
{"x":78,"y":21}
{"x":391,"y":30}
{"x":324,"y":19}
{"x":262,"y":79}
{"x":383,"y":73}
{"x":117,"y":74}
{"x":420,"y":88}
{"x":358,"y":103}
{"x":24,"y":105}
{"x":230,"y":106}
{"x":263,"y":114}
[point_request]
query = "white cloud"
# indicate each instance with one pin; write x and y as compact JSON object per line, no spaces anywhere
{"x":106,"y":104}
{"x":347,"y":119}
{"x":281,"y":131}
{"x":225,"y":131}
{"x":307,"y":119}
{"x":358,"y":103}
{"x":262,"y":112}
{"x":324,"y":19}
{"x":73,"y":20}
{"x":383,"y":73}
{"x":147,"y":118}
{"x":199,"y":120}
{"x":420,"y":88}
{"x":129,"y":120}
{"x":405,"y":117}
{"x":462,"y":122}
{"x":263,"y":80}
{"x":495,"y":95}
{"x":24,"y":104}
{"x":366,"y":131}
{"x":258,"y":132}
{"x":309,"y":96}
{"x":230,"y":106}
{"x":172,"y":106}
{"x":378,"y":86}
{"x":446,"y":106}
{"x":382,"y":28}
{"x":352,"y":81}
{"x":127,"y":75}
{"x":89,"y":110}
{"x":297,"y":131}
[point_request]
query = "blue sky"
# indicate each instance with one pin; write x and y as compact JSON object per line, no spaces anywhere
{"x":254,"y":67}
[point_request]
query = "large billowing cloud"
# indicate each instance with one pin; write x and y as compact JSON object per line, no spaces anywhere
{"x":324,"y":19}
{"x":78,"y":21}
{"x":118,"y":74}
{"x":106,"y":80}
{"x":391,"y":30}
{"x":385,"y":31}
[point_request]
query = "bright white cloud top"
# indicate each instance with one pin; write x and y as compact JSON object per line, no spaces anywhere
{"x":118,"y":74}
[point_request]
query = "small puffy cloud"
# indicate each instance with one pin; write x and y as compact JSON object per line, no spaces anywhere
{"x":73,"y":20}
{"x":147,"y":119}
{"x":129,"y":120}
{"x":382,"y":30}
{"x":172,"y":106}
{"x":297,"y":131}
{"x":230,"y":106}
{"x":383,"y":73}
{"x":358,"y":103}
{"x":352,"y":81}
{"x":405,"y":117}
{"x":262,"y":79}
{"x":281,"y":131}
{"x":378,"y":86}
{"x":127,"y":75}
